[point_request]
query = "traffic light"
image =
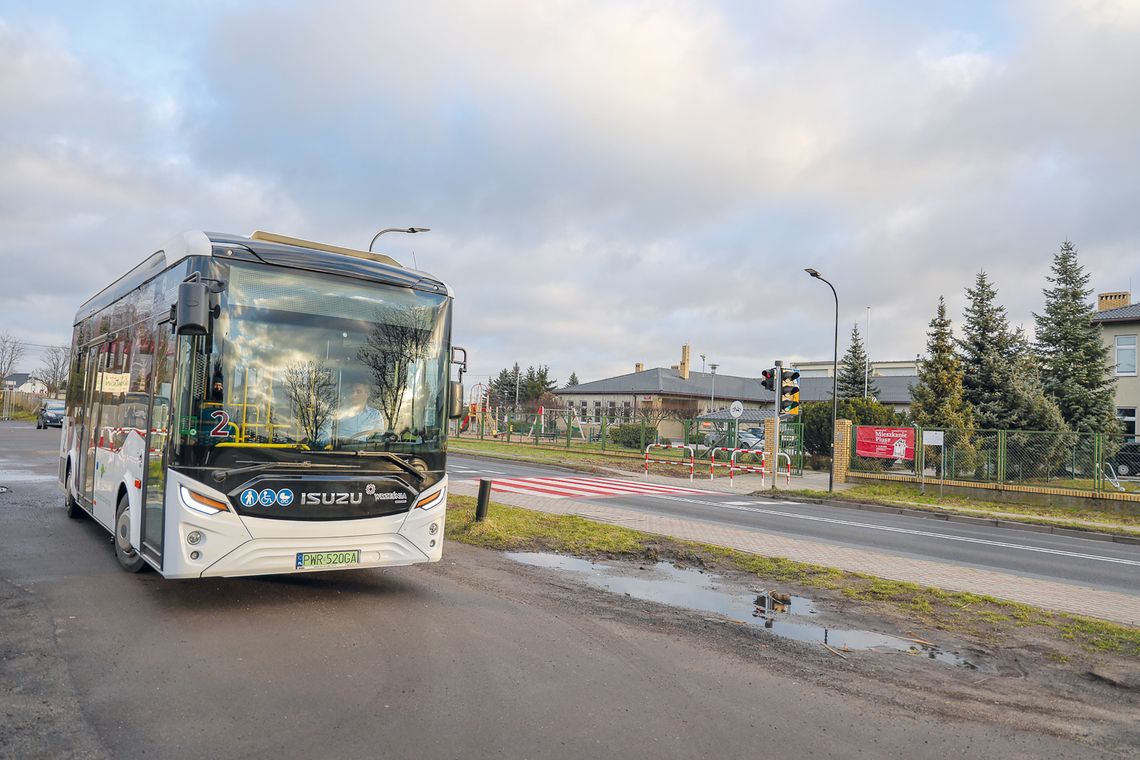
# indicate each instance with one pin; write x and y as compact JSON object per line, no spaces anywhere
{"x":769,"y":380}
{"x":790,"y":391}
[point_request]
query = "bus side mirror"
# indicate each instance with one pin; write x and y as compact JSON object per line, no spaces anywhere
{"x":455,"y":401}
{"x":192,"y":312}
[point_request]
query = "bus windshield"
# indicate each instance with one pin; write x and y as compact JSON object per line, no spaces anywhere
{"x":313,"y":362}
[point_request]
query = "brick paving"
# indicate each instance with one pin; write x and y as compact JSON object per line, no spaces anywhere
{"x":1063,"y":597}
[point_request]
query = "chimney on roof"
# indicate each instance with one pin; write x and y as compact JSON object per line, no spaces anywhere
{"x":639,"y":367}
{"x":1106,"y":301}
{"x":683,"y":367}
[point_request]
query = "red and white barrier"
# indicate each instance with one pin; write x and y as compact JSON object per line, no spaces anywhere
{"x":788,"y":471}
{"x":692,"y":457}
{"x":733,"y":467}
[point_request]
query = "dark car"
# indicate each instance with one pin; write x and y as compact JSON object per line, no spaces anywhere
{"x":1126,"y":461}
{"x":50,"y":415}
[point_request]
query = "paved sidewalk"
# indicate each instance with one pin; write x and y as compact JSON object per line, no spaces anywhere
{"x":1062,"y":597}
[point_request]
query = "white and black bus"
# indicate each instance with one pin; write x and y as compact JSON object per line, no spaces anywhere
{"x":262,"y":404}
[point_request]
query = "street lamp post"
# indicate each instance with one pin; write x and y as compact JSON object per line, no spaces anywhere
{"x":409,"y":230}
{"x":866,"y":352}
{"x":834,"y":379}
{"x":712,"y":390}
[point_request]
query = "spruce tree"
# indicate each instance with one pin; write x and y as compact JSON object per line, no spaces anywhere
{"x":573,"y":380}
{"x":1028,"y":406}
{"x":984,"y":351}
{"x":1075,"y":364}
{"x":938,"y":400}
{"x":853,"y":368}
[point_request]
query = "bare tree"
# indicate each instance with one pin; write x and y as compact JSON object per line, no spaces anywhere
{"x":667,"y":409}
{"x":399,"y":339}
{"x":53,"y":372}
{"x":11,"y":351}
{"x":312,"y":391}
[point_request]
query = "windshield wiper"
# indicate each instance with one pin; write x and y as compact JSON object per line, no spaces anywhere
{"x":396,"y":458}
{"x":222,"y":474}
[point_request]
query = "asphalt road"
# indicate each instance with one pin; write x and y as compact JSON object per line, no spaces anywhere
{"x":1083,"y":561}
{"x":473,"y":657}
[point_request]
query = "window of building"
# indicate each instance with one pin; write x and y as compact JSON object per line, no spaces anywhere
{"x":1127,"y":417}
{"x":1126,"y":354}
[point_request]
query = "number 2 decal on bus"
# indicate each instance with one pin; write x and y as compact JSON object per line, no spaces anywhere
{"x":221,"y":429}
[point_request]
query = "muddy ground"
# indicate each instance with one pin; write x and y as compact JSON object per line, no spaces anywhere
{"x":1025,"y":678}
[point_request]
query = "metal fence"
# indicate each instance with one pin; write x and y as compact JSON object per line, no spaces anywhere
{"x":618,"y":433}
{"x":1099,"y":462}
{"x":13,"y":403}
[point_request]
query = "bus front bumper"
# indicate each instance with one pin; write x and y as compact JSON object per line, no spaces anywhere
{"x":262,"y":556}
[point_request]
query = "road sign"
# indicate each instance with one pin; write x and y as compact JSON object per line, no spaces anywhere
{"x":736,"y":410}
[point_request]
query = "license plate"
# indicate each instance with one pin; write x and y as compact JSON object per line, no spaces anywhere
{"x":312,"y":560}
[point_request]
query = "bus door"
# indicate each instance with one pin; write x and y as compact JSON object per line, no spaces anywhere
{"x":159,"y":427}
{"x":89,"y":437}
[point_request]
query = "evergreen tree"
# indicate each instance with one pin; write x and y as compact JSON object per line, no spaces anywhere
{"x":1028,"y":406}
{"x":938,"y":400}
{"x":1001,"y":378}
{"x":853,"y":368}
{"x":535,"y":384}
{"x":502,"y":390}
{"x":573,"y":380}
{"x":984,"y":351}
{"x":1075,"y":364}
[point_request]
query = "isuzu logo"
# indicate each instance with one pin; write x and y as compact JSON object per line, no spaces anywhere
{"x":339,"y":497}
{"x":351,"y":497}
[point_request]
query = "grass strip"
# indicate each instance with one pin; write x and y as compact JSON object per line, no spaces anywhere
{"x":982,"y":617}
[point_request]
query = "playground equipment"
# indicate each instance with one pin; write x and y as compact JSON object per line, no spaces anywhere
{"x":733,"y":467}
{"x":1110,"y":476}
{"x":572,"y":420}
{"x":476,"y":409}
{"x":690,"y":449}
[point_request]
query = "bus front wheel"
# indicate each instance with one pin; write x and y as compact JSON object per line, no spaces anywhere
{"x":70,"y":503}
{"x":130,"y":560}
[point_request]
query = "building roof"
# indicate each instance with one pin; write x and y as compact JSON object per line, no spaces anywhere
{"x":700,"y":385}
{"x":749,"y":415}
{"x":1120,"y":314}
{"x":660,"y":380}
{"x":18,"y":378}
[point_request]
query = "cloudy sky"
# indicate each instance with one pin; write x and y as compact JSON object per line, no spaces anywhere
{"x":604,"y":180}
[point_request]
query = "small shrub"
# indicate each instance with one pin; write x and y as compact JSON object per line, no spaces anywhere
{"x":629,"y":436}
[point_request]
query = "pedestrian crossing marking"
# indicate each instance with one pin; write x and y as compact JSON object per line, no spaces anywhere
{"x":589,"y":488}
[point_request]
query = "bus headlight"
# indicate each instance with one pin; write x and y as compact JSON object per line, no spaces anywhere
{"x":200,"y":503}
{"x":429,"y":501}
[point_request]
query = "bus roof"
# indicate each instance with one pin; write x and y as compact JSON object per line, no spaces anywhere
{"x":269,"y":248}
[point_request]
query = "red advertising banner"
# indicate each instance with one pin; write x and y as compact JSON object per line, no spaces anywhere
{"x":884,"y":442}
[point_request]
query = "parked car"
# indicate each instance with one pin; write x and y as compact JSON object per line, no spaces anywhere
{"x":1126,"y":461}
{"x":50,"y":414}
{"x":747,"y":440}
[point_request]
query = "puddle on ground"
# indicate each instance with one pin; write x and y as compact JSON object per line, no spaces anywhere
{"x":683,"y":587}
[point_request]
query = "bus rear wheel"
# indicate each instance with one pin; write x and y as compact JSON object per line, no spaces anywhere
{"x":129,"y":559}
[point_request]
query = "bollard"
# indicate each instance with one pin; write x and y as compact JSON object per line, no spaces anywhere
{"x":484,"y":499}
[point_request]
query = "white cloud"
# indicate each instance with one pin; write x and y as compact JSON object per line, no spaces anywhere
{"x":605,"y":181}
